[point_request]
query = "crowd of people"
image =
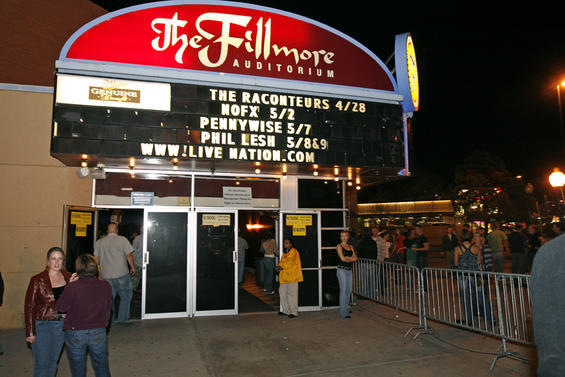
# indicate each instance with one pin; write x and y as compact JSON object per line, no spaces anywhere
{"x":409,"y":245}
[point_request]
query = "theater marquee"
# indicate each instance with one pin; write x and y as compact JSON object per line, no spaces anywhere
{"x":194,"y":83}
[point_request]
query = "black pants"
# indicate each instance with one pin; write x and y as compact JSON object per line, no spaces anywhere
{"x":422,"y":262}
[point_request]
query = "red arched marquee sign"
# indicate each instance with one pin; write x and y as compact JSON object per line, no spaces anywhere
{"x":229,"y":38}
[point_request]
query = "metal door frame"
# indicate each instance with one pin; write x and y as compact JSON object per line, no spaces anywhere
{"x":147,"y":260}
{"x":319,"y":268}
{"x":194,"y":266}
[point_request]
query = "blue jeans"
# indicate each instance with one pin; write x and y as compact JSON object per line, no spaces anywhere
{"x":473,"y":295}
{"x":345,"y":279}
{"x":269,"y":268}
{"x":122,"y":287}
{"x":498,"y":260}
{"x":49,"y":340}
{"x":78,"y":341}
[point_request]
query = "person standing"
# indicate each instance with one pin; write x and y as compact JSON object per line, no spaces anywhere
{"x":399,"y":249}
{"x":88,"y":304}
{"x":270,"y":251}
{"x":114,"y":253}
{"x":290,"y":275}
{"x":548,"y":307}
{"x":534,"y":243}
{"x":383,"y":253}
{"x":466,"y":233}
{"x":556,"y":229}
{"x":399,"y":253}
{"x":411,"y":242}
{"x":242,"y":246}
{"x":487,"y":255}
{"x":137,"y":259}
{"x":518,"y":245}
{"x":347,"y":256}
{"x":468,"y":257}
{"x":43,"y":323}
{"x":368,"y":250}
{"x":449,"y":243}
{"x":422,"y":248}
{"x":499,"y":244}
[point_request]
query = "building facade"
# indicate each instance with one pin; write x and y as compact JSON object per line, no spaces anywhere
{"x":188,"y":119}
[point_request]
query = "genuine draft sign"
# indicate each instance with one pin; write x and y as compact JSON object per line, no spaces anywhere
{"x":240,"y":39}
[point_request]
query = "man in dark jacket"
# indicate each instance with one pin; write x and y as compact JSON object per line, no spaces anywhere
{"x":518,"y":244}
{"x":367,"y":249}
{"x":449,"y":243}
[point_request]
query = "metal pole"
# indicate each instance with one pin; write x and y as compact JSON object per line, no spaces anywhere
{"x":561,"y":127}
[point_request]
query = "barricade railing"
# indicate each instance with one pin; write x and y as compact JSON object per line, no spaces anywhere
{"x":491,"y":303}
{"x":392,"y":284}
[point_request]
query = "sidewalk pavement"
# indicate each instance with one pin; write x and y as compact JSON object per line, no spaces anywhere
{"x":371,"y":343}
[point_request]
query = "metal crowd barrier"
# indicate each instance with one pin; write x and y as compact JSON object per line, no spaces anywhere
{"x":392,"y":284}
{"x":495,"y":304}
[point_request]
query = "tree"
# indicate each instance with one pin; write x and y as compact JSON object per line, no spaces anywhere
{"x":487,"y":191}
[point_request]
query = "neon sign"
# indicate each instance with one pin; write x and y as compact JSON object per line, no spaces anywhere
{"x":237,"y":39}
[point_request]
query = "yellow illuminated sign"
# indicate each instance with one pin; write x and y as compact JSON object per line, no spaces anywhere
{"x":412,"y":72}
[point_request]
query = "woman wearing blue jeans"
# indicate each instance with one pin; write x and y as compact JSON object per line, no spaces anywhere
{"x":88,"y":303}
{"x":468,"y":257}
{"x":44,"y":325}
{"x":347,"y":256}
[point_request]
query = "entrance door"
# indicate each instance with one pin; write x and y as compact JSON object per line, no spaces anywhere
{"x":216,"y":262}
{"x":304,"y":229}
{"x":79,"y":233}
{"x":165,"y":263}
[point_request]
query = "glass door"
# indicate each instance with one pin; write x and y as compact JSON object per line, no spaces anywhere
{"x":165,"y":263}
{"x":304,"y":229}
{"x":216,"y":262}
{"x":79,"y":232}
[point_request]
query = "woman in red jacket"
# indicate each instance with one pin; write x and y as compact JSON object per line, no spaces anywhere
{"x":44,"y":324}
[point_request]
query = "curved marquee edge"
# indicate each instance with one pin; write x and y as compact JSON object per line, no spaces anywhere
{"x":108,"y":16}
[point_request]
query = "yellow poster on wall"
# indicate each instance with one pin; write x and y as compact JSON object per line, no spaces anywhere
{"x":81,"y":220}
{"x":298,"y":223}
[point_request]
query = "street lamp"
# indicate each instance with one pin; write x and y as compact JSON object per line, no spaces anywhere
{"x":561,"y":126}
{"x":557,"y":179}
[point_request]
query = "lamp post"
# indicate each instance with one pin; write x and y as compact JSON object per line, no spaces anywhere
{"x":561,"y":126}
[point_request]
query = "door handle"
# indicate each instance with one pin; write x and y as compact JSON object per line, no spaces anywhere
{"x":146,"y":257}
{"x":235,"y":256}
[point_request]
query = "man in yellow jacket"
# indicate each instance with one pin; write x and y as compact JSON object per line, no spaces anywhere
{"x":290,"y":275}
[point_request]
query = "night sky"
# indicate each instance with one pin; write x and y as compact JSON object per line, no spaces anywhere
{"x":487,"y":78}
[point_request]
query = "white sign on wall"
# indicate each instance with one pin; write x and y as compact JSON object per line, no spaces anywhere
{"x":109,"y":92}
{"x":237,"y":196}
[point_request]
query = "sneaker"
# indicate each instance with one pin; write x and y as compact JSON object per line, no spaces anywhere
{"x":291,"y":316}
{"x":271,"y":293}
